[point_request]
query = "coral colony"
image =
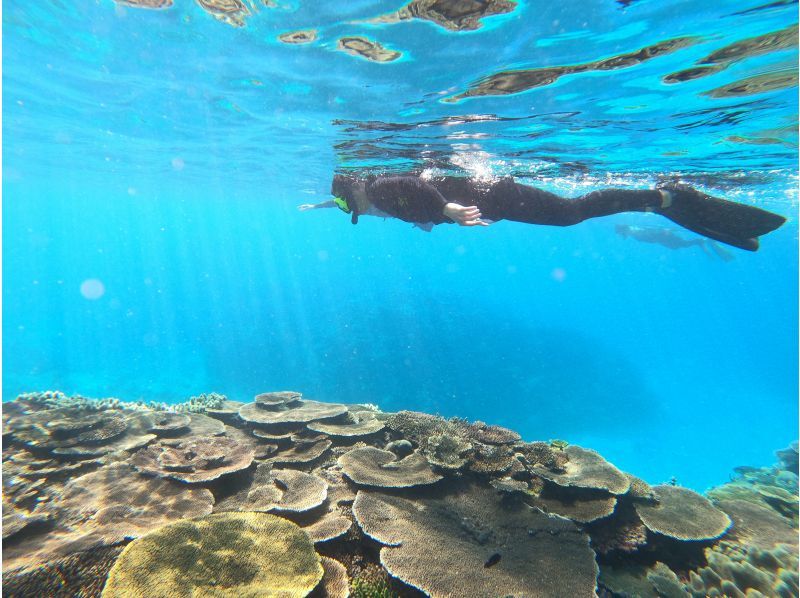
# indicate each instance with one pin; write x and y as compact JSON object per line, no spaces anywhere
{"x":286,"y":496}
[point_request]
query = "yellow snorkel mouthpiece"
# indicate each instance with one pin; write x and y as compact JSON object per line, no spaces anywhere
{"x":342,"y":205}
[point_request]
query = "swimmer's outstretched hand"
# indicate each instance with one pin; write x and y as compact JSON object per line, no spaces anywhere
{"x":464,"y":215}
{"x":306,"y":206}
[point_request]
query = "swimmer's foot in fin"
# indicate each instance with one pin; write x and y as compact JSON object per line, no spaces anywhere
{"x":725,"y":221}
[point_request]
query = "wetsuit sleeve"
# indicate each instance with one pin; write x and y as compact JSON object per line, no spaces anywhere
{"x":407,"y":198}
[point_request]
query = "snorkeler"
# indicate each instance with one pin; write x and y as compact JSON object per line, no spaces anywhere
{"x":670,"y":240}
{"x":430,"y":201}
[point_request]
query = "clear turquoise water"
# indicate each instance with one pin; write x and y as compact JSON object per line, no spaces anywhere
{"x":164,"y":153}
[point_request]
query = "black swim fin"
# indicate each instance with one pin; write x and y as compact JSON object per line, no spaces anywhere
{"x":725,"y":221}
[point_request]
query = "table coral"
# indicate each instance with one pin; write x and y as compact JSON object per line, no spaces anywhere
{"x":493,"y":547}
{"x":358,"y":423}
{"x":198,"y":459}
{"x":79,"y":432}
{"x":290,"y":411}
{"x":370,"y":466}
{"x":280,"y":490}
{"x":227,"y":554}
{"x":103,"y":508}
{"x":682,"y":514}
{"x":586,"y":469}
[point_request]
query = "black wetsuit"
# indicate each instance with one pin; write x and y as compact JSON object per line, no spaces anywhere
{"x":418,"y":200}
{"x":421,"y":200}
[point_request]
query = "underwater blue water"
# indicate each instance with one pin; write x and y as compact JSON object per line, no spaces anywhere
{"x":163,"y":154}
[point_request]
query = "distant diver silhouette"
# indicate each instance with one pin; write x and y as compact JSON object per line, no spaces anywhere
{"x":430,"y":201}
{"x":669,"y":239}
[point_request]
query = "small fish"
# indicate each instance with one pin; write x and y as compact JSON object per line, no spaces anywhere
{"x":492,"y":560}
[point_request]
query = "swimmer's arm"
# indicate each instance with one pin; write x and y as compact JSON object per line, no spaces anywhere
{"x":315,"y":206}
{"x":464,"y":215}
{"x":415,"y":200}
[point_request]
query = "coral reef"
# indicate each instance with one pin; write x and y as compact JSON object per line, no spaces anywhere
{"x":756,"y":526}
{"x":168,"y":423}
{"x":103,"y":508}
{"x":466,"y":541}
{"x":542,"y":454}
{"x":328,"y":528}
{"x":80,"y":574}
{"x":334,"y":520}
{"x":364,"y":588}
{"x":277,"y":398}
{"x":508,"y":484}
{"x":335,"y":583}
{"x":15,"y":519}
{"x":198,"y":459}
{"x":736,"y":570}
{"x":225,"y":410}
{"x":586,"y":469}
{"x":370,"y":466}
{"x":291,"y":409}
{"x":446,"y":452}
{"x":301,"y":491}
{"x":490,"y":459}
{"x":284,"y":491}
{"x":731,"y":571}
{"x":184,"y":425}
{"x":640,"y":489}
{"x":49,"y":399}
{"x":773,"y":487}
{"x":583,"y":507}
{"x":789,"y":459}
{"x":756,"y":555}
{"x":358,"y":423}
{"x":304,"y":451}
{"x":76,"y":431}
{"x":377,"y":505}
{"x":455,"y":444}
{"x":234,"y":554}
{"x":202,"y":403}
{"x":611,"y":536}
{"x":682,"y":514}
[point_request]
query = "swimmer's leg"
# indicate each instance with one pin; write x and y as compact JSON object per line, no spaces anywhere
{"x":509,"y":200}
{"x":729,"y":222}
